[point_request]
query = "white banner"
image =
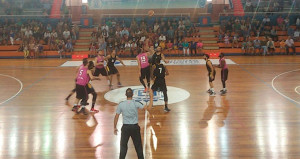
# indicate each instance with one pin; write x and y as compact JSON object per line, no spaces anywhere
{"x":172,"y":62}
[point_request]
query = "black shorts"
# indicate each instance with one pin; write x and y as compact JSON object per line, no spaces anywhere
{"x":101,"y":71}
{"x":81,"y":92}
{"x":159,"y":85}
{"x":211,"y":79}
{"x":89,"y":88}
{"x":224,"y":74}
{"x":112,"y":70}
{"x":145,"y":73}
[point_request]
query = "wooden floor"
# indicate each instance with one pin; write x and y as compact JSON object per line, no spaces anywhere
{"x":257,"y":119}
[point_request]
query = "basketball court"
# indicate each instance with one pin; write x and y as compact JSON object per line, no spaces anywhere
{"x":258,"y":118}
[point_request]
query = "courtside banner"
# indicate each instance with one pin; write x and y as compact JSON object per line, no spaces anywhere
{"x":178,"y":62}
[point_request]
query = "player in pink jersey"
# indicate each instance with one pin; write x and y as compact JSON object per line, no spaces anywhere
{"x":144,"y":67}
{"x":224,"y":72}
{"x":84,"y":75}
{"x":99,"y":64}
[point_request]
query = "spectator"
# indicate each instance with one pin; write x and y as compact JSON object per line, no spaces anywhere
{"x":290,"y":32}
{"x":156,"y":27}
{"x":26,"y":51}
{"x":162,"y":44}
{"x":12,"y":37}
{"x":248,"y":6}
{"x":181,"y":26}
{"x":193,"y":48}
{"x":273,"y":33}
{"x":280,"y":22}
{"x":180,"y":47}
{"x":28,"y":33}
{"x":66,"y":34}
{"x":199,"y":46}
{"x":47,"y":36}
{"x":105,"y":27}
{"x":162,"y":37}
{"x":289,"y":43}
{"x":266,"y":21}
{"x":169,"y":46}
{"x":257,"y":45}
{"x":282,"y":47}
{"x":250,"y":48}
{"x":297,"y":35}
{"x":271,"y":47}
{"x":244,"y":47}
{"x":69,"y":46}
{"x":226,"y":39}
{"x":235,"y":41}
{"x":298,"y":23}
{"x":264,"y":46}
{"x":170,"y":34}
{"x":186,"y":48}
{"x":60,"y":48}
{"x":287,"y":22}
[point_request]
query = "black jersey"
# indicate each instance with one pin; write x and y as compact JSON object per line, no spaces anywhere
{"x":160,"y":71}
{"x":111,"y":61}
{"x":155,"y":57}
{"x":208,"y":68}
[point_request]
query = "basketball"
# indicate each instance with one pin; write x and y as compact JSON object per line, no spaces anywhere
{"x":150,"y":13}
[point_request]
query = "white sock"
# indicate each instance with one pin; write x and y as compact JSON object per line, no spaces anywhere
{"x":224,"y":89}
{"x":212,"y":89}
{"x":75,"y":104}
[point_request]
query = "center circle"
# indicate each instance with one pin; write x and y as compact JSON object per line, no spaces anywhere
{"x":175,"y":95}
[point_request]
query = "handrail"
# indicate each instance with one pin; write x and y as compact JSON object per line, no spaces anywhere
{"x":61,"y":15}
{"x":250,"y":13}
{"x":156,"y":14}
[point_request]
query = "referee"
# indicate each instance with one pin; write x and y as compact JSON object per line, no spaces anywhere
{"x":129,"y":109}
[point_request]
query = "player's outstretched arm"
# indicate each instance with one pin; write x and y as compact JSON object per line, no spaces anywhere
{"x":120,"y":60}
{"x":89,"y":72}
{"x":167,"y":71}
{"x":163,"y":58}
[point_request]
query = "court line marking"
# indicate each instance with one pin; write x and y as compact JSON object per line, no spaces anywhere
{"x":279,"y":91}
{"x":21,"y":88}
{"x":145,"y":129}
{"x":272,"y":83}
{"x":296,"y":90}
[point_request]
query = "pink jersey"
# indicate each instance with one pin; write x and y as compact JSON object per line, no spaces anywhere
{"x":100,"y":59}
{"x":225,"y":65}
{"x":82,"y":76}
{"x":143,"y":60}
{"x":199,"y":45}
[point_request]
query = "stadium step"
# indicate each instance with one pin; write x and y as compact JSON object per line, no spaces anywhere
{"x":85,"y":38}
{"x":211,"y":47}
{"x":81,"y":49}
{"x":205,"y":30}
{"x":209,"y":42}
{"x":207,"y":36}
{"x":82,"y":43}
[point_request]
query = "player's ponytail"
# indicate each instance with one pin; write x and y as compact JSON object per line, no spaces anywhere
{"x":85,"y":61}
{"x":91,"y":65}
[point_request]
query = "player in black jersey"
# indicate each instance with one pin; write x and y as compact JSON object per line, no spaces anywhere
{"x":211,"y":74}
{"x":158,"y":55}
{"x":111,"y":69}
{"x":159,"y":73}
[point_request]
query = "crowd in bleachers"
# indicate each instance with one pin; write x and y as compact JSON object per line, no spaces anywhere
{"x":169,"y":34}
{"x":34,"y":35}
{"x":253,"y":35}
